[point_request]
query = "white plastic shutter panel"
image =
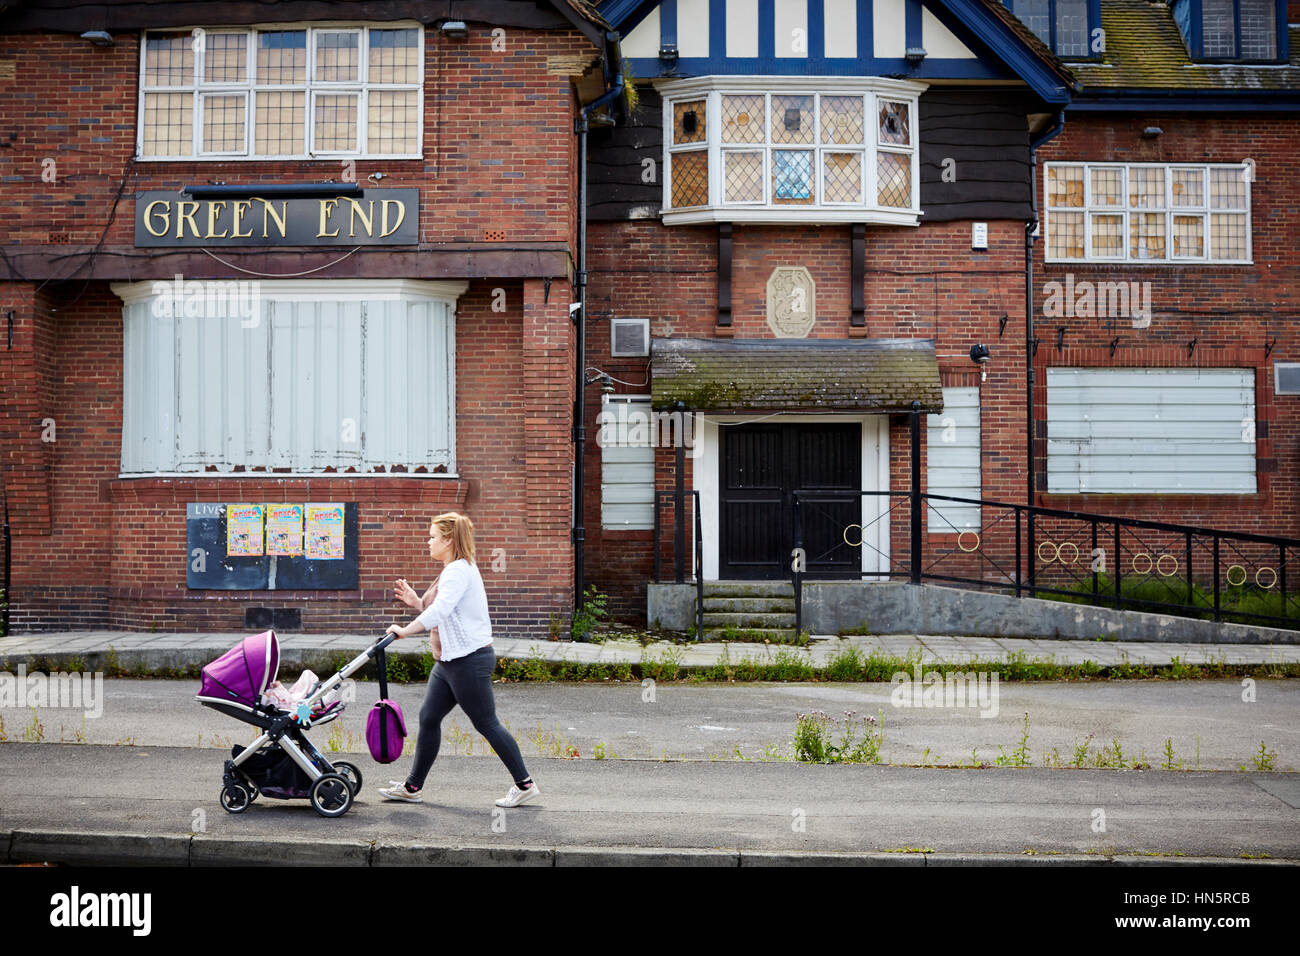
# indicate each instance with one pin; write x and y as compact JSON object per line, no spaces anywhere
{"x":627,"y":470}
{"x":149,"y":390}
{"x":409,"y":390}
{"x":953,"y":461}
{"x":221,"y":392}
{"x":315,"y":384}
{"x":1156,"y":431}
{"x":311,"y":385}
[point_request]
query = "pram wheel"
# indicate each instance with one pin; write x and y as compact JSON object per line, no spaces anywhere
{"x":331,"y":795}
{"x":349,"y":772}
{"x":235,"y":799}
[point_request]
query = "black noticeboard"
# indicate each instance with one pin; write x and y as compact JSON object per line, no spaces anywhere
{"x":209,"y":567}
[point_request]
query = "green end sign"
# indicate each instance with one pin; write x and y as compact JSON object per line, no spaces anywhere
{"x":376,"y":217}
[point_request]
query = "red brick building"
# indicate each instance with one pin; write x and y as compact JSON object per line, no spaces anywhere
{"x":820,"y":213}
{"x":397,"y":340}
{"x":1147,"y":147}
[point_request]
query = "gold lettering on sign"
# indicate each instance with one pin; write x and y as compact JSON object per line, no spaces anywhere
{"x":367,"y":219}
{"x":165,"y":215}
{"x":241,"y":206}
{"x":401,"y":208}
{"x":215,"y":209}
{"x":268,"y":209}
{"x":183,"y":216}
{"x":326,"y":210}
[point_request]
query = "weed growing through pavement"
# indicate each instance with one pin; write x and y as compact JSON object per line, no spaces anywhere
{"x":1020,"y":756}
{"x":1081,"y":752}
{"x":341,"y":741}
{"x":1263,"y":760}
{"x":34,"y":732}
{"x":813,"y":738}
{"x":78,"y":736}
{"x":3,"y":736}
{"x":1171,"y":762}
{"x":552,"y":744}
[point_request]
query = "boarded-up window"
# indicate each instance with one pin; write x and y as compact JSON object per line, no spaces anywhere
{"x":258,"y":377}
{"x":627,"y":463}
{"x":1151,"y":431}
{"x":953,"y":461}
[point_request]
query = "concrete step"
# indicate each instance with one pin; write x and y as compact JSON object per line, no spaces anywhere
{"x":748,"y":620}
{"x":779,"y":605}
{"x":748,"y":589}
{"x":750,"y":635}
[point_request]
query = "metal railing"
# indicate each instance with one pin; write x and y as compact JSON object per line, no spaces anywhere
{"x":1077,"y":556}
{"x":678,"y":530}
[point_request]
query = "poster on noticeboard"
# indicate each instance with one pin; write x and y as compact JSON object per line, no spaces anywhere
{"x":324,"y":532}
{"x":284,"y":530}
{"x":244,"y":530}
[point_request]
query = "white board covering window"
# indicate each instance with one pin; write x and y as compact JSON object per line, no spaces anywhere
{"x":288,"y":377}
{"x":627,"y":463}
{"x":953,"y":459}
{"x":1151,"y":430}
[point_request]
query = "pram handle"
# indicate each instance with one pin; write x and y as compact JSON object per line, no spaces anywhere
{"x":376,"y":648}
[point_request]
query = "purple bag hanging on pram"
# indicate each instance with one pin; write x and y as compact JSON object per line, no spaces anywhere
{"x":385,"y":725}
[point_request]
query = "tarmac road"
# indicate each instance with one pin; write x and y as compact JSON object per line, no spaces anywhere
{"x":713,"y":721}
{"x":164,"y":782}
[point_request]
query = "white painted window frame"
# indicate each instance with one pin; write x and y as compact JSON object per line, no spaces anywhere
{"x":198,"y":89}
{"x":713,"y":88}
{"x":1089,"y":209}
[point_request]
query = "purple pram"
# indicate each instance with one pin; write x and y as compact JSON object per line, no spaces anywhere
{"x":282,"y":762}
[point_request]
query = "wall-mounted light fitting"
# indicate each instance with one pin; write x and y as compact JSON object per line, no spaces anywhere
{"x":914,"y":55}
{"x":668,"y":57}
{"x":454,"y":29}
{"x":98,"y":37}
{"x":1151,"y":132}
{"x":979,"y":354}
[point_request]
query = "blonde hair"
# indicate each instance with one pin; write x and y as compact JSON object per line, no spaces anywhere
{"x":458,"y":528}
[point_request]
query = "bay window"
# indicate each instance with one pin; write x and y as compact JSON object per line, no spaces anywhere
{"x":823,"y":150}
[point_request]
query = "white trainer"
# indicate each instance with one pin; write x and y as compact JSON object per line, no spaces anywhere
{"x":397,"y":791}
{"x":517,"y":796}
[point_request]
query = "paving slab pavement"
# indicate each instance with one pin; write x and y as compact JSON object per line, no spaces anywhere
{"x":195,"y":649}
{"x":120,"y":799}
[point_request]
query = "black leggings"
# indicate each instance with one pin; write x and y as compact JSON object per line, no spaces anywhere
{"x":466,"y":681}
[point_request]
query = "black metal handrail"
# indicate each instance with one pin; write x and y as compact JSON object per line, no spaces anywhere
{"x":679,"y":547}
{"x":1025,"y":577}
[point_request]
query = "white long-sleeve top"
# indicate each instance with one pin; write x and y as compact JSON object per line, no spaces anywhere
{"x":459,"y":611}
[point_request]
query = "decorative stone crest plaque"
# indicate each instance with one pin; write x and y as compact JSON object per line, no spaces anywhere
{"x":791,"y":302}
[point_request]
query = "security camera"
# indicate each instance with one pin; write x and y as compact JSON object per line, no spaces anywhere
{"x":574,"y":307}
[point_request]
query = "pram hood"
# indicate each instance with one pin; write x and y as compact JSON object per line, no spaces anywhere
{"x":242,"y":674}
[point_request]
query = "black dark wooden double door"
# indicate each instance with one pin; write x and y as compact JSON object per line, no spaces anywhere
{"x":762,"y":465}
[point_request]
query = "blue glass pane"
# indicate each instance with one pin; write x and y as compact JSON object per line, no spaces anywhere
{"x":792,"y":174}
